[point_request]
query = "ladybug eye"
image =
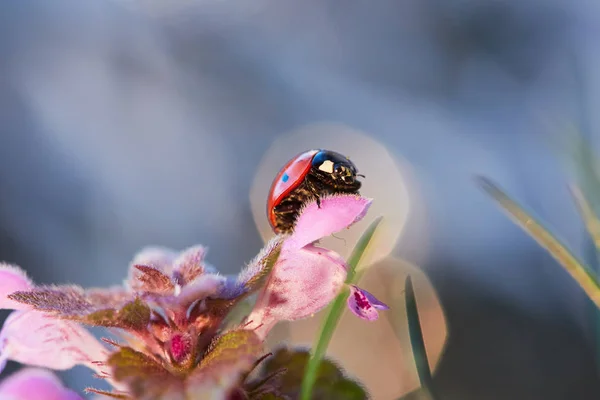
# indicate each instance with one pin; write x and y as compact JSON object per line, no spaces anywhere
{"x":342,"y":170}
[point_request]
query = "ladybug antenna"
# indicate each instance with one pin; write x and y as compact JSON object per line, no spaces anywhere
{"x":361,"y":175}
{"x":339,"y":238}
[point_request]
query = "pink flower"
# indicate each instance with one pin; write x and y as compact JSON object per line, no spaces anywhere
{"x":33,"y":338}
{"x":306,"y":277}
{"x":34,"y":383}
{"x":171,"y":311}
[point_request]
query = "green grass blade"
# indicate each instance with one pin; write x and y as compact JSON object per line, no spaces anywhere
{"x":592,"y":223}
{"x":577,"y":269}
{"x":334,"y":313}
{"x":417,"y":342}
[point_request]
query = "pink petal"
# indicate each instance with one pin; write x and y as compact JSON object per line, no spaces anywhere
{"x":34,"y":383}
{"x":302,"y":283}
{"x":336,"y":213}
{"x":364,"y":305}
{"x":34,"y":338}
{"x":12,"y":279}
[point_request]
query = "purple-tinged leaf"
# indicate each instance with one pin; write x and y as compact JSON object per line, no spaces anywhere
{"x":61,"y":300}
{"x":230,"y":357}
{"x":254,"y":276}
{"x":134,"y":316}
{"x":146,"y":279}
{"x":144,"y":377}
{"x":160,"y":258}
{"x":112,"y":297}
{"x":189,"y":265}
{"x":231,"y":346}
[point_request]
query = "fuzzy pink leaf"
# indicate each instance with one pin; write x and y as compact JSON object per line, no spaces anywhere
{"x":302,"y":283}
{"x":257,"y":272}
{"x":204,"y":286}
{"x":150,"y":280}
{"x":111,"y":297}
{"x":12,"y":279}
{"x":64,"y":300}
{"x":336,"y":213}
{"x":35,"y":383}
{"x":161,"y":258}
{"x":189,"y":265}
{"x":34,"y":338}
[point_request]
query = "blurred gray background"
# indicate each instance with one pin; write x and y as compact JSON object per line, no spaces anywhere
{"x":129,"y":123}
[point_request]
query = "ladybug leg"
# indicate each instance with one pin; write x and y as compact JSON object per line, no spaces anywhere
{"x":314,"y":191}
{"x":287,"y":207}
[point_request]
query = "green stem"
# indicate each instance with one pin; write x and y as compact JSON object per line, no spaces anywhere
{"x":334,"y":313}
{"x":416,"y":338}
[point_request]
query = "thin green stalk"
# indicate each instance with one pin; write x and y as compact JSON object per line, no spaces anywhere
{"x":586,"y":278}
{"x":334,"y":313}
{"x":417,"y":342}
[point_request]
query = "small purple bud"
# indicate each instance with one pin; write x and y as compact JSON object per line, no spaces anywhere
{"x":364,"y":305}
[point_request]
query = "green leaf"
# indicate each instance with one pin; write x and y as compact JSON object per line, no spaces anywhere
{"x":238,"y":312}
{"x":233,"y":347}
{"x":330,"y":383}
{"x":587,"y":197}
{"x":416,"y":336}
{"x":134,"y":315}
{"x":145,"y":378}
{"x":65,"y":300}
{"x":342,"y":390}
{"x":294,"y":362}
{"x":225,"y":365}
{"x":260,"y":268}
{"x":584,"y":164}
{"x":127,"y":363}
{"x":577,"y":269}
{"x":592,"y":223}
{"x":334,"y":312}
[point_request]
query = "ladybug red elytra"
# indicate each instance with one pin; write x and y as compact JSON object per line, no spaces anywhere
{"x":308,"y":176}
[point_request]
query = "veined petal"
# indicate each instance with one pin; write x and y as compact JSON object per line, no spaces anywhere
{"x":336,"y":213}
{"x":35,"y":383}
{"x":301,"y":283}
{"x":363,"y":304}
{"x":12,"y":279}
{"x":34,"y":338}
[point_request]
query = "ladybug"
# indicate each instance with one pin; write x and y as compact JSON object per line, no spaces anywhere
{"x":306,"y":177}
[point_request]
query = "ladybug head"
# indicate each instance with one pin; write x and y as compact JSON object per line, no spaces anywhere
{"x":335,"y":169}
